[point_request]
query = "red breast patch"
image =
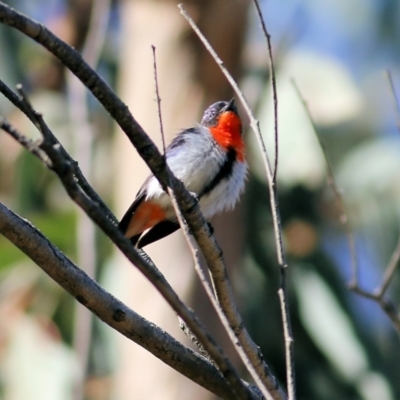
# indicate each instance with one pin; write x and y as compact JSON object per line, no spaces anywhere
{"x":228,"y":133}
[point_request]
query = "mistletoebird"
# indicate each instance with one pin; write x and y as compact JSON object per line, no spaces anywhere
{"x":210,"y":161}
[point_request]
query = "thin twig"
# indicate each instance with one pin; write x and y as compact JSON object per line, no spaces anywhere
{"x":290,"y":377}
{"x":30,"y":145}
{"x":62,"y":167}
{"x":21,"y":102}
{"x":386,"y":305}
{"x":276,"y":392}
{"x":389,"y":272}
{"x":240,"y":389}
{"x":158,"y":98}
{"x":249,"y":352}
{"x":273,"y":85}
{"x":207,"y":287}
{"x":68,"y":172}
{"x":395,"y":100}
{"x":72,"y":60}
{"x":147,"y":150}
{"x":344,"y":219}
{"x":288,"y":343}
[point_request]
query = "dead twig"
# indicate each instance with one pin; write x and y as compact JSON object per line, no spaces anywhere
{"x":62,"y":167}
{"x":30,"y":145}
{"x":146,"y":149}
{"x":273,"y":85}
{"x":158,"y":98}
{"x":395,"y":100}
{"x":247,"y":349}
{"x":290,"y":377}
{"x":20,"y":101}
{"x":379,"y":294}
{"x":336,"y":191}
{"x":233,"y":378}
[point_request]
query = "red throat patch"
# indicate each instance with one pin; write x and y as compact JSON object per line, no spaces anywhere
{"x":228,"y":133}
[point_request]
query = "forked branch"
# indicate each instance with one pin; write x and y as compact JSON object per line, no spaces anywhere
{"x":65,"y":167}
{"x":379,"y":294}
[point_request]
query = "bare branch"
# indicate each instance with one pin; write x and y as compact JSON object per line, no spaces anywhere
{"x":21,"y":103}
{"x":247,"y":349}
{"x":158,"y":98}
{"x":288,"y":344}
{"x":150,"y":154}
{"x":233,"y":378}
{"x":287,"y":331}
{"x":109,"y":309}
{"x":386,"y":305}
{"x":30,"y":145}
{"x":396,"y":104}
{"x":273,"y":84}
{"x":389,"y":272}
{"x":146,"y":148}
{"x":64,"y":171}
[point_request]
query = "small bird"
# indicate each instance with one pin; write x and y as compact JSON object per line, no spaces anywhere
{"x":209,"y":159}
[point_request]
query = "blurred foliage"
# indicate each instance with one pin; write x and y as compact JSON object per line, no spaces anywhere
{"x":345,"y":346}
{"x":35,"y":303}
{"x":353,"y":41}
{"x":49,"y":224}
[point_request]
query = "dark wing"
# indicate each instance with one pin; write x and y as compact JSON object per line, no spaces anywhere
{"x":157,"y":232}
{"x":141,"y":195}
{"x":164,"y":228}
{"x":126,"y":219}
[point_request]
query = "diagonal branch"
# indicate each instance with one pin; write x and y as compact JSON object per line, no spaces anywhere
{"x":344,"y":219}
{"x":110,"y":310}
{"x":248,"y":350}
{"x":273,"y":84}
{"x":30,"y":145}
{"x":395,"y":100}
{"x":150,"y":154}
{"x":236,"y":384}
{"x":20,"y":101}
{"x":62,"y":167}
{"x":379,"y":294}
{"x":389,"y":272}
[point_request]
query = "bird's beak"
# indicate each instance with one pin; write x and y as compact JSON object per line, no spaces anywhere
{"x":231,"y":106}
